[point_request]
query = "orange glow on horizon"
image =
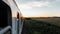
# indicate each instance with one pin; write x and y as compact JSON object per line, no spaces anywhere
{"x":37,"y":16}
{"x":15,"y":15}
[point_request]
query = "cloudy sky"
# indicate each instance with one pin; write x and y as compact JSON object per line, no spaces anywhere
{"x":39,"y":8}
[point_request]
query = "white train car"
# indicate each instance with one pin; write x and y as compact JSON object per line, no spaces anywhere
{"x":10,"y":17}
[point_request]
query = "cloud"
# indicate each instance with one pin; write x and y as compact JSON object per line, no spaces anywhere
{"x":25,"y":1}
{"x":30,"y":5}
{"x":24,"y":6}
{"x":38,"y":7}
{"x":28,"y":9}
{"x":39,"y":4}
{"x":58,"y":0}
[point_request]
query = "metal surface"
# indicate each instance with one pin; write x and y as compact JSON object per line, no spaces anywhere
{"x":5,"y":29}
{"x":17,"y":24}
{"x":16,"y":27}
{"x":20,"y":26}
{"x":11,"y":3}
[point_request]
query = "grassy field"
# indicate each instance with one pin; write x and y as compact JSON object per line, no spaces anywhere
{"x":37,"y":26}
{"x":54,"y":21}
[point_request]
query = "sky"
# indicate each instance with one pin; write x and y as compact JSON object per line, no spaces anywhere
{"x":39,"y":8}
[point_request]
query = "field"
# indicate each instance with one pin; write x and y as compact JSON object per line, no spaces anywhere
{"x":41,"y":26}
{"x":53,"y":21}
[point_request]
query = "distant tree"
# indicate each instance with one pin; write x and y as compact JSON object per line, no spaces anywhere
{"x":28,"y":18}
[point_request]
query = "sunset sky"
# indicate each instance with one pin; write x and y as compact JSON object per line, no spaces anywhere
{"x":39,"y":8}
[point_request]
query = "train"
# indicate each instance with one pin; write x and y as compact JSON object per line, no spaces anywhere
{"x":8,"y":11}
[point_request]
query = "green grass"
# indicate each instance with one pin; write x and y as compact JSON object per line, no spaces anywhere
{"x":54,"y":21}
{"x":39,"y":27}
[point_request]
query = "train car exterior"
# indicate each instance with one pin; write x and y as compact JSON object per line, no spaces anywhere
{"x":10,"y":17}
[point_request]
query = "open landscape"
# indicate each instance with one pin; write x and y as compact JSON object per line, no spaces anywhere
{"x":50,"y":20}
{"x":41,"y":26}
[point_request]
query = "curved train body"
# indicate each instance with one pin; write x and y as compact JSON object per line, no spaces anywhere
{"x":10,"y":17}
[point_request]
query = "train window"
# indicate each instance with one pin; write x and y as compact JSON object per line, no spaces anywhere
{"x":5,"y":14}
